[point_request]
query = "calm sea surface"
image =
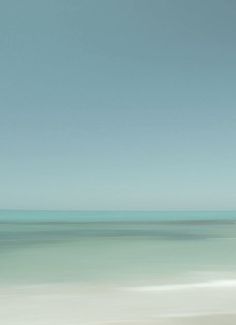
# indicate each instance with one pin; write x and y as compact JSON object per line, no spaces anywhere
{"x":116,"y":248}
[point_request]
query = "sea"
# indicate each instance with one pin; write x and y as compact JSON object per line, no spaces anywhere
{"x":117,"y":267}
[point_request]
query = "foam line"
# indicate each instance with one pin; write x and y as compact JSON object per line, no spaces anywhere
{"x":188,"y":286}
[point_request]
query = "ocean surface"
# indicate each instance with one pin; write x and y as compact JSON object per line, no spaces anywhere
{"x":117,"y":267}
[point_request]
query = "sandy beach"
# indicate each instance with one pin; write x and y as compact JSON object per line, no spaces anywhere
{"x":72,"y":305}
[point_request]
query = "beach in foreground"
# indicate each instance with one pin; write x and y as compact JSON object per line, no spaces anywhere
{"x":69,"y":304}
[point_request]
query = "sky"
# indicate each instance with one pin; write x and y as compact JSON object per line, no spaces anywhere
{"x":118,"y":104}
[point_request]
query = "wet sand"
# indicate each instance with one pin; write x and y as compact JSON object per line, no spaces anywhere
{"x":199,"y":320}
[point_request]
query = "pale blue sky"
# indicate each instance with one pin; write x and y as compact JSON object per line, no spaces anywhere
{"x":118,"y":104}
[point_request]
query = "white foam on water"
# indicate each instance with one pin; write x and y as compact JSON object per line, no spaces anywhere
{"x":228,"y":284}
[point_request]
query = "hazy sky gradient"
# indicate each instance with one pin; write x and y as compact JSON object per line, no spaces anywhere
{"x":118,"y":104}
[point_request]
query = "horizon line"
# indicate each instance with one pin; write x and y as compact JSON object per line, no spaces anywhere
{"x":118,"y":210}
